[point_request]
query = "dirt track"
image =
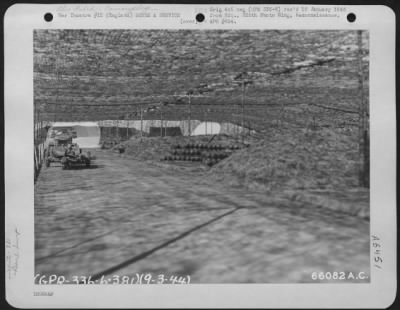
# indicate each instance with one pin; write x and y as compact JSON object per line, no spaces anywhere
{"x":90,"y":220}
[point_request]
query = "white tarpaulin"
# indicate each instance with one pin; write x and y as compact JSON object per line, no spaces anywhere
{"x":87,"y":133}
{"x":207,"y":128}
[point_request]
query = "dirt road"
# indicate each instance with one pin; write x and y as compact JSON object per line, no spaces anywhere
{"x":125,"y":216}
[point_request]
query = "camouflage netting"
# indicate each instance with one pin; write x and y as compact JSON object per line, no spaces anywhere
{"x":297,"y":92}
{"x":110,"y":74}
{"x":311,"y":168}
{"x":302,"y":159}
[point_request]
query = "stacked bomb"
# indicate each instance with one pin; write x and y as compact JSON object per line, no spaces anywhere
{"x":210,"y":154}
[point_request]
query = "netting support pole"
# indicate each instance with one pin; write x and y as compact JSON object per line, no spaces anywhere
{"x":34,"y":124}
{"x":161,"y":119}
{"x":41,"y":130}
{"x":242,"y":123}
{"x":37,"y":125}
{"x":127,"y":127}
{"x":190,"y":115}
{"x":361,"y":113}
{"x":205,"y":120}
{"x":141,"y":121}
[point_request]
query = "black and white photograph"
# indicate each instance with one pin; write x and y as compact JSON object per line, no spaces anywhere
{"x":200,"y":156}
{"x":212,"y":156}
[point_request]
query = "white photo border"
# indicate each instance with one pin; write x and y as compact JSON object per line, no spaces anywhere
{"x":21,"y":19}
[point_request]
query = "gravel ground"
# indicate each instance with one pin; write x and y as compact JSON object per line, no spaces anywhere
{"x":126,"y":216}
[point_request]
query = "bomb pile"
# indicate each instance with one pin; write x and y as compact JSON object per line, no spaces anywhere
{"x":206,"y":149}
{"x":209,"y":154}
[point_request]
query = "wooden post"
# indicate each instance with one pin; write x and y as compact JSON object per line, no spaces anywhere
{"x":361,"y":116}
{"x":161,"y":133}
{"x":40,"y":140}
{"x":366,"y":159}
{"x":205,"y":120}
{"x":127,"y":128}
{"x":40,"y":130}
{"x":34,"y":125}
{"x":70,"y":111}
{"x":242,"y":122}
{"x":141,"y":121}
{"x":182,"y":122}
{"x":118,"y":129}
{"x":190,"y":115}
{"x":37,"y":126}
